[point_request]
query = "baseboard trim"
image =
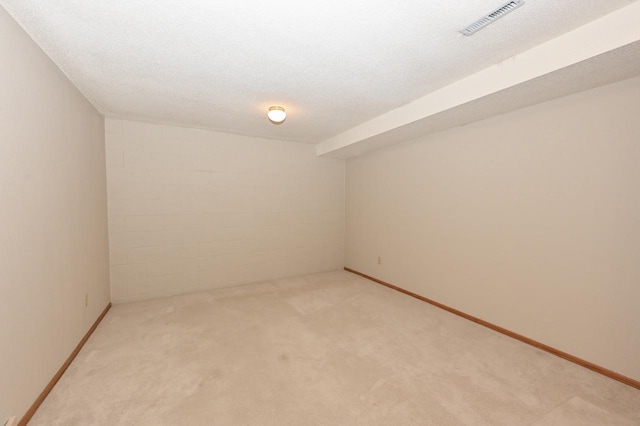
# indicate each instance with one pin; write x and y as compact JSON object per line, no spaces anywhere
{"x":581,"y":362}
{"x":36,"y":404}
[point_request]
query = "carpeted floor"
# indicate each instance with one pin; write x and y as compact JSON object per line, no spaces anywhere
{"x":326,"y":349}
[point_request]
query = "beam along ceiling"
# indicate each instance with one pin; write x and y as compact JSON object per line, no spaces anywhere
{"x":332,"y":64}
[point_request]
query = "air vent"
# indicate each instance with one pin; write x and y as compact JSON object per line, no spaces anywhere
{"x":491,"y":17}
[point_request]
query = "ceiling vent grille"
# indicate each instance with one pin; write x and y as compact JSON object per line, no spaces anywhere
{"x":491,"y":17}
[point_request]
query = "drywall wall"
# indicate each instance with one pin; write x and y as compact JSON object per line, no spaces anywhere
{"x":53,"y":219}
{"x":193,"y":209}
{"x":529,"y":220}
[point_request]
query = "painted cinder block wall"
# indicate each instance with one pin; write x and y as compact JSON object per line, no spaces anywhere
{"x":194,"y":209}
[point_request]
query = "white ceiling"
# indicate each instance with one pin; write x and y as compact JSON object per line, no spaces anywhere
{"x":332,"y":64}
{"x":618,"y":64}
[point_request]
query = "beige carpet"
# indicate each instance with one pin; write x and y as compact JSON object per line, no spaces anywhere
{"x":326,"y":349}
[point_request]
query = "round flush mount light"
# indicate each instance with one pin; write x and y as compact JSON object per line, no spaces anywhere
{"x":276,"y":114}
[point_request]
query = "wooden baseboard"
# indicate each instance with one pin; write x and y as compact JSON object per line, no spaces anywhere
{"x":586,"y":364}
{"x":36,"y":404}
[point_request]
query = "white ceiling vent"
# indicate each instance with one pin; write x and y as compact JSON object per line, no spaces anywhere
{"x":491,"y":17}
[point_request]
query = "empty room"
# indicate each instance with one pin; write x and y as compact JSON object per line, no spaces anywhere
{"x":332,"y":213}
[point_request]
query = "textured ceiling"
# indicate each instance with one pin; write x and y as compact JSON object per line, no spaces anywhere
{"x":615,"y":65}
{"x":332,"y":64}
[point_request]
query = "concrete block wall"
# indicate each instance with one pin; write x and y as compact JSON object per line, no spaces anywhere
{"x":194,"y":209}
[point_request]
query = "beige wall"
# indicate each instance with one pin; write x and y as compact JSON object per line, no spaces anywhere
{"x":193,"y":209}
{"x":53,"y":216}
{"x":529,"y":220}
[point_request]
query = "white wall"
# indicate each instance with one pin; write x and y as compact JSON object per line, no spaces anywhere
{"x":529,"y":220}
{"x":53,"y":219}
{"x":193,"y":209}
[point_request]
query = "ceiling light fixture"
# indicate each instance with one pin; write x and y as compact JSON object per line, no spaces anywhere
{"x":276,"y":114}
